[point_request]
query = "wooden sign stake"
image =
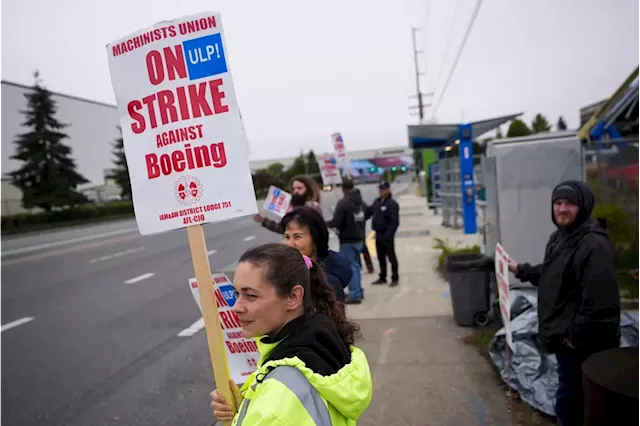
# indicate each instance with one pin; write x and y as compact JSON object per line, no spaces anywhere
{"x":217,"y":351}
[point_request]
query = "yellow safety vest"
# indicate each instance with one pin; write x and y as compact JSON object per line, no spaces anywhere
{"x":286,"y":392}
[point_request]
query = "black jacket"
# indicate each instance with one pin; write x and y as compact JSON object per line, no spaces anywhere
{"x":578,"y":294}
{"x":348,"y":218}
{"x":385,"y":217}
{"x":337,"y":269}
{"x":315,"y":340}
{"x":365,"y":207}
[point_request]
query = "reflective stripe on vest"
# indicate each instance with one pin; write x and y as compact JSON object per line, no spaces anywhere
{"x":297,"y":383}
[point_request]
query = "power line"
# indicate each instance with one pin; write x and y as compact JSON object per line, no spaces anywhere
{"x":427,"y":40}
{"x":455,"y":62}
{"x":447,"y":44}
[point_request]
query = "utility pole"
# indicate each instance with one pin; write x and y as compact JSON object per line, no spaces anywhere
{"x":419,"y":95}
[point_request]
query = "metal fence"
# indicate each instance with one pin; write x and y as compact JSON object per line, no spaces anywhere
{"x":451,"y":191}
{"x":612,"y":174}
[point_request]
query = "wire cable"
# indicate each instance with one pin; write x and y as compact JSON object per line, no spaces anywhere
{"x":455,"y":62}
{"x":447,"y":44}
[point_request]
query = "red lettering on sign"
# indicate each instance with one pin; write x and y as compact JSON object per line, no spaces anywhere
{"x":143,"y":39}
{"x":195,"y":158}
{"x":205,"y":99}
{"x":220,"y":300}
{"x":179,"y":135}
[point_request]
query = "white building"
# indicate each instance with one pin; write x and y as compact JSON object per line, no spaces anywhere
{"x":92,"y":128}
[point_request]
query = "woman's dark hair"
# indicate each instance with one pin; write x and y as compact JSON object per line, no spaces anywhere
{"x":309,"y":218}
{"x":312,"y":192}
{"x":284,"y":268}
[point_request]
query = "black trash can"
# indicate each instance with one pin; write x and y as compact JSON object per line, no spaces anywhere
{"x":610,"y":387}
{"x":469,"y":277}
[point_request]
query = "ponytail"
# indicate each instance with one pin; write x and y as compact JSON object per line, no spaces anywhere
{"x":324,"y":301}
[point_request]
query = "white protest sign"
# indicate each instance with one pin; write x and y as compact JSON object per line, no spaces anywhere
{"x":502,"y":276}
{"x":341,"y":152}
{"x":242,"y":354}
{"x":278,"y":201}
{"x":329,"y":170}
{"x":184,"y":141}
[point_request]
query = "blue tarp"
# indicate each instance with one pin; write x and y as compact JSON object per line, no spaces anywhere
{"x":532,"y":373}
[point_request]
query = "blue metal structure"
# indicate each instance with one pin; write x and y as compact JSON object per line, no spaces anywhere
{"x":465,"y":136}
{"x":441,"y":136}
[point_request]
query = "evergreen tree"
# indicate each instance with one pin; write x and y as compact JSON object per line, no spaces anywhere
{"x":540,"y":124}
{"x":561,"y":124}
{"x":518,"y":128}
{"x":120,"y":173}
{"x":47,"y":177}
{"x":313,"y":168}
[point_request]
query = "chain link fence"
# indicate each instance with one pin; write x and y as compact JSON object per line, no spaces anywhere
{"x":612,"y":174}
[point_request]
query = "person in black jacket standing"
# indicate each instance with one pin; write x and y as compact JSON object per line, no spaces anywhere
{"x":578,"y":294}
{"x":385,"y":214}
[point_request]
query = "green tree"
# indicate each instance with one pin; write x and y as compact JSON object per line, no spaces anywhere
{"x":540,"y":124}
{"x":561,"y":124}
{"x":47,"y":177}
{"x":299,"y":167}
{"x":518,"y":128}
{"x":262,"y":180}
{"x":275,"y":169}
{"x":313,"y":168}
{"x":120,"y":172}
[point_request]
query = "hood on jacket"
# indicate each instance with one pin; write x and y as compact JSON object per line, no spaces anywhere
{"x":337,"y":269}
{"x":312,"y":344}
{"x":578,"y":193}
{"x":354,"y":196}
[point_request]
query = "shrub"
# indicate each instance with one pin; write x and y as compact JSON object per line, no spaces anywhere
{"x":624,"y":236}
{"x":448,"y":250}
{"x":85,"y":212}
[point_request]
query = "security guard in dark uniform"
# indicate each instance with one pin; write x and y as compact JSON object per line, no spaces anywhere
{"x":385,"y":219}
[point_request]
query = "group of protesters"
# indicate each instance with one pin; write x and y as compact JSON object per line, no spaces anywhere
{"x":306,"y":229}
{"x":291,"y":296}
{"x":310,"y":371}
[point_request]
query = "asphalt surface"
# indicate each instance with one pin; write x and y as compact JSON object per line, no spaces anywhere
{"x":90,"y":323}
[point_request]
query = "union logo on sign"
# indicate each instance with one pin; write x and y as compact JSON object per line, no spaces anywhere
{"x":188,"y":190}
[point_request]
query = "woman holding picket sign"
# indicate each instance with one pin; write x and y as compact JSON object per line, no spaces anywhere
{"x":309,"y":371}
{"x":304,"y":192}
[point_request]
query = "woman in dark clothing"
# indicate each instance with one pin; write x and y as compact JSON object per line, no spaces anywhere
{"x":304,"y":192}
{"x":305,"y":229}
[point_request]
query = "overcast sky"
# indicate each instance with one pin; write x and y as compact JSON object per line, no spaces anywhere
{"x":303,"y":70}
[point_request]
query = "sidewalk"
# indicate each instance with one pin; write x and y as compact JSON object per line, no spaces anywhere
{"x":423,"y":372}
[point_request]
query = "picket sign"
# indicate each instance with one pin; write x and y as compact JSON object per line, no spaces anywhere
{"x":329,"y":170}
{"x":184,"y":142}
{"x":502,"y":277}
{"x":242,"y":353}
{"x":340,"y":150}
{"x":278,"y":201}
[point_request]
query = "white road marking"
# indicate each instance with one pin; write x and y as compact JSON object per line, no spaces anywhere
{"x":139,"y":278}
{"x":210,"y":252}
{"x":192,"y":329}
{"x":114,"y":255}
{"x":249,"y":238}
{"x":16,"y":323}
{"x":66,"y":242}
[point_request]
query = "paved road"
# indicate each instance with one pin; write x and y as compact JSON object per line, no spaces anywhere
{"x":90,"y":323}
